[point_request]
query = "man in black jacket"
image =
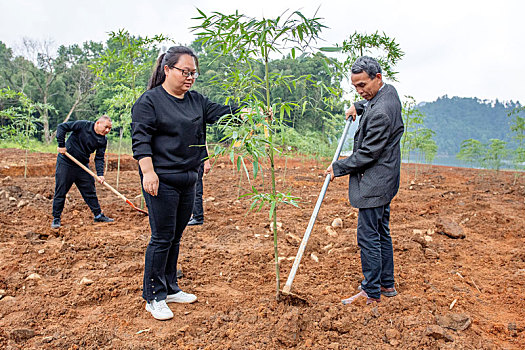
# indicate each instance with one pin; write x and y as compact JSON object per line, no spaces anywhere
{"x":86,"y":137}
{"x":374,"y":169}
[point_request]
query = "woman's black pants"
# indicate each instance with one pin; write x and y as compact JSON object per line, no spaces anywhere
{"x":169,"y":213}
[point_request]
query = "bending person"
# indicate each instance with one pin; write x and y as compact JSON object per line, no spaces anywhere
{"x":86,"y":137}
{"x":168,"y":122}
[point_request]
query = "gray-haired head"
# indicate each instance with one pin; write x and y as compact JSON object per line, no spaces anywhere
{"x":104,"y":117}
{"x":368,"y":65}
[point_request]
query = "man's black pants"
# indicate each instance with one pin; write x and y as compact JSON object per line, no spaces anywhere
{"x":377,"y":254}
{"x":65,"y":176}
{"x":198,"y":210}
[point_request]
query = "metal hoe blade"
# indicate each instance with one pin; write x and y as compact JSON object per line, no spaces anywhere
{"x":288,"y":286}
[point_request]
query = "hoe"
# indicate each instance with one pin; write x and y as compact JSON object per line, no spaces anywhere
{"x":288,"y":286}
{"x":105,"y":183}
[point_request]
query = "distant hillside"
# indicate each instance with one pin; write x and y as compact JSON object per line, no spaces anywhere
{"x":456,"y":119}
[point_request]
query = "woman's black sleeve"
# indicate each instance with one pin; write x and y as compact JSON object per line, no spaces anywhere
{"x":143,"y":127}
{"x":213,"y":111}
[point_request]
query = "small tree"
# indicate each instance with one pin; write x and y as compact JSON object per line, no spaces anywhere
{"x":496,"y":153}
{"x":518,"y":128}
{"x":424,"y":146}
{"x":21,"y":119}
{"x":412,"y":120}
{"x":252,"y":42}
{"x":473,"y":152}
{"x":385,"y":49}
{"x":416,"y":137}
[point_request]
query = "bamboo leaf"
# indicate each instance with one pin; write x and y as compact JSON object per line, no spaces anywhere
{"x":331,"y":49}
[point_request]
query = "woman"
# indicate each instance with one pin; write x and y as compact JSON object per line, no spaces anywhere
{"x":168,"y":133}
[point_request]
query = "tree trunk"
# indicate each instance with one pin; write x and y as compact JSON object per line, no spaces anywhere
{"x":45,"y":121}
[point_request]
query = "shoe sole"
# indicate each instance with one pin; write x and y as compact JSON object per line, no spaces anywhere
{"x":180,"y":302}
{"x":158,"y":318}
{"x":386,"y":294}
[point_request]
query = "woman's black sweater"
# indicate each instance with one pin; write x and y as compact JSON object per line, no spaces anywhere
{"x":172,"y":131}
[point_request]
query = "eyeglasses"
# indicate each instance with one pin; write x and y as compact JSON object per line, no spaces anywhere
{"x":187,"y":74}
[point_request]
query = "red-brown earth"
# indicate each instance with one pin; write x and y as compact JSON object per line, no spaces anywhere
{"x":79,"y":287}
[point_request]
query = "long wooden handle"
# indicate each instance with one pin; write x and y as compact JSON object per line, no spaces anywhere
{"x":95,"y":176}
{"x":121,"y":196}
{"x":288,"y":286}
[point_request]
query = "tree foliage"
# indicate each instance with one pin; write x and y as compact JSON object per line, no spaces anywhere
{"x":517,"y":127}
{"x":417,"y":139}
{"x":473,"y":152}
{"x":455,"y":119}
{"x":18,"y":119}
{"x":485,"y":155}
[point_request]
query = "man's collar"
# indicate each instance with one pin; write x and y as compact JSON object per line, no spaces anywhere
{"x":378,"y":93}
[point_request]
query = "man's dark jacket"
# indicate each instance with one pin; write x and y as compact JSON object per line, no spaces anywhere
{"x":375,"y":163}
{"x":83,"y":141}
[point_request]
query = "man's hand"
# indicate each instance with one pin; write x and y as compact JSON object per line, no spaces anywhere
{"x":351,"y":112}
{"x":101,"y":179}
{"x":207,"y":166}
{"x":62,"y":150}
{"x":330,"y":171}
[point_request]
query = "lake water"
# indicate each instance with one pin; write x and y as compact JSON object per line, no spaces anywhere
{"x":447,"y":160}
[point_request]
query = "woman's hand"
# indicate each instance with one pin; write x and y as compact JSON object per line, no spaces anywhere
{"x":150,"y":180}
{"x":150,"y":183}
{"x":207,"y":166}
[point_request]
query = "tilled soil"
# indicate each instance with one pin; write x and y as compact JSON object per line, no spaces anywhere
{"x":79,"y":287}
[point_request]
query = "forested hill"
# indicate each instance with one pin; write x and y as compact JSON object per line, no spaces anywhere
{"x":456,"y":119}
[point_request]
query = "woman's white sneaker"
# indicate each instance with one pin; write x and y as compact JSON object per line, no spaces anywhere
{"x":181,"y":297}
{"x":159,"y":310}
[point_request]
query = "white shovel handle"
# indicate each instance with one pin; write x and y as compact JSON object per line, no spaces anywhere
{"x":299,"y":256}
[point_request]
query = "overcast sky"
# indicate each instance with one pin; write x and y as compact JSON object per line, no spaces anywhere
{"x":466,"y":48}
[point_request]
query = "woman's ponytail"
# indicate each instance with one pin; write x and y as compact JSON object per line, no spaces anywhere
{"x":158,"y":75}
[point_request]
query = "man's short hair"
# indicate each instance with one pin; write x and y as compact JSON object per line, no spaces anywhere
{"x":366,"y":64}
{"x":105,"y":117}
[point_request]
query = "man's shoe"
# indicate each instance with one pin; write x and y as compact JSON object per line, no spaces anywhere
{"x":55,"y":223}
{"x":361,"y":293}
{"x":194,"y":222}
{"x":159,"y":310}
{"x":388,"y":292}
{"x":372,"y":300}
{"x":103,"y":218}
{"x":181,"y":297}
